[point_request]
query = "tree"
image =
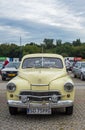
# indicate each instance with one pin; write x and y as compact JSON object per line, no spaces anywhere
{"x":77,"y":42}
{"x":48,"y":43}
{"x":58,"y":42}
{"x":31,"y":48}
{"x":74,"y":49}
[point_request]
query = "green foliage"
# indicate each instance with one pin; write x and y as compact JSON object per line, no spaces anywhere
{"x":77,"y":42}
{"x":31,"y":48}
{"x":74,"y":49}
{"x":58,"y":42}
{"x":48,"y":43}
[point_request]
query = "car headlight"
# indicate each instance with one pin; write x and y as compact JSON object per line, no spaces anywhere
{"x":3,"y":72}
{"x":11,"y":87}
{"x":68,"y":87}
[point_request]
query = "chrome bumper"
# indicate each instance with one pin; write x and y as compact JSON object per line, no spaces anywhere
{"x":59,"y":104}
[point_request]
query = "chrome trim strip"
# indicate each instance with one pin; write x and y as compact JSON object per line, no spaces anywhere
{"x":39,"y":96}
{"x":39,"y":90}
{"x":39,"y":85}
{"x":59,"y":104}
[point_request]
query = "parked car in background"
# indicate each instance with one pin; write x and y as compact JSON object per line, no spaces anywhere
{"x":1,"y":66}
{"x":79,"y":70}
{"x":41,"y":86}
{"x":10,"y":70}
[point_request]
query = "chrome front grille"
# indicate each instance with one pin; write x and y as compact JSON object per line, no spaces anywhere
{"x":40,"y":96}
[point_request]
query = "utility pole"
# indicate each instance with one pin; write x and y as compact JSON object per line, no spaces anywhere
{"x":20,"y":49}
{"x":42,"y":48}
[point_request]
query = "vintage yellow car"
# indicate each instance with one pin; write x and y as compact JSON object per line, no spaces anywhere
{"x":41,"y":86}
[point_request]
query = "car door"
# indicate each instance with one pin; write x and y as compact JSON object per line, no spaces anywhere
{"x":76,"y":69}
{"x":79,"y":69}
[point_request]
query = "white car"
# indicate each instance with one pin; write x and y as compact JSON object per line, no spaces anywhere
{"x":79,"y":70}
{"x":1,"y":66}
{"x":10,"y":70}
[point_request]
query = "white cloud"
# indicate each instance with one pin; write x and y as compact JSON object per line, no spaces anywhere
{"x":54,"y":13}
{"x":51,"y":12}
{"x":12,"y":31}
{"x":10,"y":34}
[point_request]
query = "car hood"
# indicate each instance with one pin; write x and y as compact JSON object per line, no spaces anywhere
{"x":39,"y":76}
{"x":9,"y":69}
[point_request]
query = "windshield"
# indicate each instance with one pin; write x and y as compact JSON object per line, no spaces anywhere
{"x":12,"y":65}
{"x":42,"y":62}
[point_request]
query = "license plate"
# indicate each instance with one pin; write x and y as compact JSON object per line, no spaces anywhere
{"x":11,"y":75}
{"x":39,"y":111}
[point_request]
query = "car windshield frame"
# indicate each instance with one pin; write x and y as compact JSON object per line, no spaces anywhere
{"x":42,"y":62}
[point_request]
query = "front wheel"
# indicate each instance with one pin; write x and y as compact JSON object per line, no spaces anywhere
{"x":69,"y":110}
{"x":75,"y":76}
{"x":13,"y":110}
{"x":3,"y":78}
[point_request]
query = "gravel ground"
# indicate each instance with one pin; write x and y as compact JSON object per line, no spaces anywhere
{"x":57,"y":121}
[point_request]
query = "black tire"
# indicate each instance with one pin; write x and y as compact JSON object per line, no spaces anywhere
{"x":75,"y":76}
{"x":13,"y":110}
{"x":69,"y":110}
{"x":3,"y":78}
{"x":82,"y":77}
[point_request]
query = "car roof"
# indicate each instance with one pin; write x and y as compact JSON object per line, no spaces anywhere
{"x":80,"y":62}
{"x":43,"y":55}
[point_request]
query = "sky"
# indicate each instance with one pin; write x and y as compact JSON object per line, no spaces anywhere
{"x":35,"y":20}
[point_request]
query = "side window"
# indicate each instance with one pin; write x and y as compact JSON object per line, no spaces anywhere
{"x":77,"y":65}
